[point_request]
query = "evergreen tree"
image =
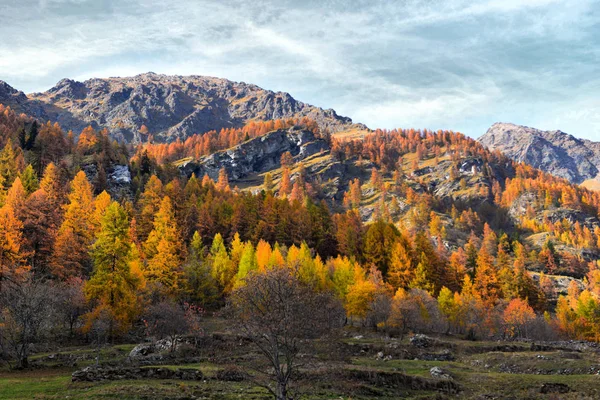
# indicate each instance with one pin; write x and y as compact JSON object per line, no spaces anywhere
{"x":29,"y":179}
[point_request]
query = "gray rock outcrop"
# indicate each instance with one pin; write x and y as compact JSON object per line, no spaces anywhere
{"x":259,"y":154}
{"x":555,"y":152}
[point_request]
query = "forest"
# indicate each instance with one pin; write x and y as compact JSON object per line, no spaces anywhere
{"x":170,"y":252}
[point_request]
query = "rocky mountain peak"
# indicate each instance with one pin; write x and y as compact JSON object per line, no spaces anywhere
{"x":556,"y":152}
{"x":170,"y":106}
{"x":10,"y":96}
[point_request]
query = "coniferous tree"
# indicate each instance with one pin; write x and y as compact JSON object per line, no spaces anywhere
{"x":163,"y":252}
{"x":29,"y":179}
{"x":113,"y":285}
{"x":76,"y":232}
{"x":200,"y":286}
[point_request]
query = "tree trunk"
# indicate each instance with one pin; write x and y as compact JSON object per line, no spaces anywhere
{"x":23,"y":362}
{"x":281,"y":393}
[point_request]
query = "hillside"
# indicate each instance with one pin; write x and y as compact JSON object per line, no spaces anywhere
{"x":170,"y":107}
{"x":352,"y":244}
{"x":555,"y":152}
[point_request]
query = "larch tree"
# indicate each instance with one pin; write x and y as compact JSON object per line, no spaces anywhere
{"x":221,"y":265}
{"x":285,"y":186}
{"x":517,"y":316}
{"x":113,"y":286}
{"x":248,"y":263}
{"x":76,"y":232}
{"x":223,"y":181}
{"x":11,"y":243}
{"x":163,"y":251}
{"x":52,"y":186}
{"x":29,"y":179}
{"x":101,"y":203}
{"x":379,"y":241}
{"x":268,"y":182}
{"x":148,"y":206}
{"x":201,"y":287}
{"x":401,"y":271}
{"x":40,"y":224}
{"x":8,"y":165}
{"x":486,"y":278}
{"x":15,"y":198}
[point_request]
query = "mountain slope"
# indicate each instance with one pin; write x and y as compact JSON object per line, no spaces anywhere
{"x":555,"y":152}
{"x":170,"y":107}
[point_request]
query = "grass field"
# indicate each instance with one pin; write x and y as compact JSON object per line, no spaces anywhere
{"x":358,"y":365}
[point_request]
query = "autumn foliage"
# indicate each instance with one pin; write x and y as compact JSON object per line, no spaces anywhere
{"x":195,"y":241}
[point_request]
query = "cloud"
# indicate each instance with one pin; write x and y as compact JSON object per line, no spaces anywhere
{"x":430,"y":63}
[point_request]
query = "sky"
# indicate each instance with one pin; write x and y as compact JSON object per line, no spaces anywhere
{"x":452,"y":64}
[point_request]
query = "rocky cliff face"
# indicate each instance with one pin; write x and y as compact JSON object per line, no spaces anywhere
{"x":169,"y":106}
{"x":258,"y":155}
{"x":555,"y":152}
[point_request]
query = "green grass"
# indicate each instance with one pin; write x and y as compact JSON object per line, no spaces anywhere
{"x":478,"y":371}
{"x":35,"y":385}
{"x":57,"y":385}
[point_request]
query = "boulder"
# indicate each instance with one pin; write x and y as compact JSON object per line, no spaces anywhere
{"x":231,"y":373}
{"x":421,"y":341}
{"x":141,"y":350}
{"x":438,"y":373}
{"x":555,"y":388}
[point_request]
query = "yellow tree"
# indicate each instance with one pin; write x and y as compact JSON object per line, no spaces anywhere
{"x":16,"y":196}
{"x":51,"y":185}
{"x":8,"y":166}
{"x":148,"y":206}
{"x":248,"y":263}
{"x":360,"y":295}
{"x":486,"y":278}
{"x":221,"y":265}
{"x":263,"y":254}
{"x":163,"y":252}
{"x":401,"y":271}
{"x":449,"y":305}
{"x":101,"y":203}
{"x":76,"y":233}
{"x":11,"y":241}
{"x":113,"y":285}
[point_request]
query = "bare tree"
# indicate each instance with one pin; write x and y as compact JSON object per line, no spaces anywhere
{"x":70,"y":305}
{"x":379,"y":311}
{"x":25,"y":313}
{"x":278,"y":312}
{"x":167,"y":320}
{"x":100,"y":330}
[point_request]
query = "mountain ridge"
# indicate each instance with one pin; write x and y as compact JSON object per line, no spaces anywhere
{"x":555,"y":152}
{"x":169,"y":106}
